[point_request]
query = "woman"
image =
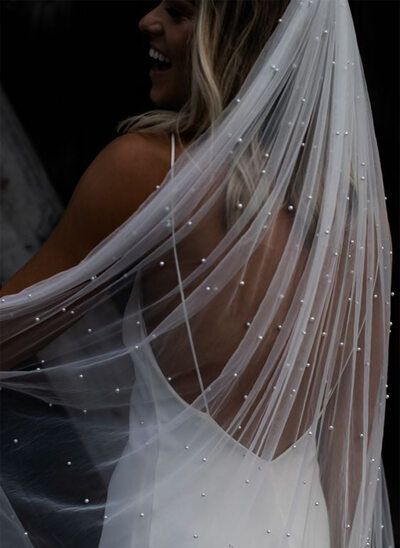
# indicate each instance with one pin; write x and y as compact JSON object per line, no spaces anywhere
{"x":213,"y":352}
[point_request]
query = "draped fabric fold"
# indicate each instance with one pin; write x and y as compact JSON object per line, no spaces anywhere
{"x":207,"y":380}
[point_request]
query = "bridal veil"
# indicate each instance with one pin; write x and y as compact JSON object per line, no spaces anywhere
{"x":214,"y":372}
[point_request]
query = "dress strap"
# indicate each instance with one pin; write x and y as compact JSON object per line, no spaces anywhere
{"x":172,"y":149}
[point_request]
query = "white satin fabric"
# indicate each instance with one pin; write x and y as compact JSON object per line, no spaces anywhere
{"x":180,"y":510}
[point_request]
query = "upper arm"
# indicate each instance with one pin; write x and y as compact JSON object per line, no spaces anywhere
{"x":114,"y":185}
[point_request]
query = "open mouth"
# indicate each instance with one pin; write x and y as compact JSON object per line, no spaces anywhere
{"x":159,"y":61}
{"x":160,"y":65}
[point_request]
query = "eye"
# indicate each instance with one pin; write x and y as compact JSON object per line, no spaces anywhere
{"x":174,"y":14}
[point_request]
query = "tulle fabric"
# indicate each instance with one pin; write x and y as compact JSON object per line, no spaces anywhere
{"x":193,"y":382}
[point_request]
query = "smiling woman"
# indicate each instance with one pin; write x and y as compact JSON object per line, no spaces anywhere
{"x":221,"y":353}
{"x":169,"y":27}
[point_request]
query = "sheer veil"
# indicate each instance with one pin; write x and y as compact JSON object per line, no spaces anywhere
{"x":212,"y":383}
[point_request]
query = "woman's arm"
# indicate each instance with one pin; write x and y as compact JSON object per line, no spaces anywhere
{"x":114,"y":185}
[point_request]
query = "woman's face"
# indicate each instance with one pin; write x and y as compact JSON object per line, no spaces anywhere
{"x":169,"y":29}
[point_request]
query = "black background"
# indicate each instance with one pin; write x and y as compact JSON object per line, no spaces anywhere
{"x":72,"y":69}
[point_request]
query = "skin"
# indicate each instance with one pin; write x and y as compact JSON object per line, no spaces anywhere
{"x":128,"y":169}
{"x":169,"y":29}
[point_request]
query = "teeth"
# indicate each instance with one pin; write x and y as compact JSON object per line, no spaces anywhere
{"x":159,"y":56}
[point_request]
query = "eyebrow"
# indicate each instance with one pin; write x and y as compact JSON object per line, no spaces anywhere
{"x":185,"y":5}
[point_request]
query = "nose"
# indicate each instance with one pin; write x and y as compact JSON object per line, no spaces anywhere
{"x":150,"y":23}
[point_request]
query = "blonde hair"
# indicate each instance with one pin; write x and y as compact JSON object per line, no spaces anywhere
{"x":227,"y":40}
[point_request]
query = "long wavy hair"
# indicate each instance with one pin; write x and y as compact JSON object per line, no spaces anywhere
{"x":227,"y":40}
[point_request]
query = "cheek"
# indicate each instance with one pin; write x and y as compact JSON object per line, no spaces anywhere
{"x":184,"y":44}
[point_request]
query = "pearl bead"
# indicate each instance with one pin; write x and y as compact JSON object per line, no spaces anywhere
{"x":241,"y":282}
{"x":279,"y":326}
{"x":37,"y":319}
{"x":195,"y":535}
{"x":237,"y":100}
{"x":187,"y":447}
{"x":290,"y":208}
{"x":330,"y":427}
{"x":247,"y":481}
{"x":239,"y":205}
{"x":80,"y":376}
{"x":248,"y":324}
{"x":141,"y":514}
{"x":161,"y":263}
{"x":85,"y":411}
{"x":203,"y":260}
{"x":69,"y":463}
{"x":208,"y":288}
{"x":63,"y":309}
{"x":260,"y":337}
{"x":316,"y":503}
{"x":268,"y":531}
{"x":89,"y":330}
{"x":15,"y":440}
{"x":86,"y":501}
{"x":117,"y":390}
{"x":235,"y":374}
{"x":203,"y":494}
{"x":204,"y":459}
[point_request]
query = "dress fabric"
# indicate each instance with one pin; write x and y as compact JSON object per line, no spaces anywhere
{"x":150,"y":506}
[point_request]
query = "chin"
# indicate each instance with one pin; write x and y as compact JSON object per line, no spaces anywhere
{"x":162,"y":100}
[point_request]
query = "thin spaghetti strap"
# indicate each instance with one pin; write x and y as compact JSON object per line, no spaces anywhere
{"x":172,"y":149}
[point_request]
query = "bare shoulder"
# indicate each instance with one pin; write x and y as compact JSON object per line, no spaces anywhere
{"x":123,"y":174}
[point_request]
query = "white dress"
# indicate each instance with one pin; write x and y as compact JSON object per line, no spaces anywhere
{"x":187,"y":510}
{"x":150,"y":506}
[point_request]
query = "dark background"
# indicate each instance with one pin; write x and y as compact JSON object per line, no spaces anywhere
{"x":72,"y":69}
